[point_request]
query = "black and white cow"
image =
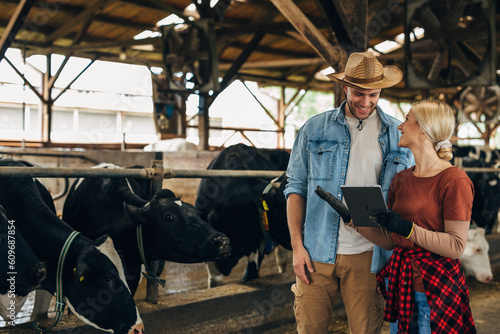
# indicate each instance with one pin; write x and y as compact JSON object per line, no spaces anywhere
{"x":231,"y":205}
{"x":172,"y":229}
{"x":483,"y":153}
{"x":487,"y":194}
{"x":93,"y":279}
{"x":20,"y":270}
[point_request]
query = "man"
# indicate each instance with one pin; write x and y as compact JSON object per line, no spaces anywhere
{"x":355,"y":144}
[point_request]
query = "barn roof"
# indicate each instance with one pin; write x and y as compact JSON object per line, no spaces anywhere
{"x":275,"y":42}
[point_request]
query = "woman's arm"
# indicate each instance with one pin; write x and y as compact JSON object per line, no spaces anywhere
{"x":450,"y":243}
{"x":377,"y":235}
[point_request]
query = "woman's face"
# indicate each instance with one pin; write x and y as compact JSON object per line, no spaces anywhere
{"x":410,"y":131}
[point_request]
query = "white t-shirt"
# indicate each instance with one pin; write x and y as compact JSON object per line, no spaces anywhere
{"x":365,"y":163}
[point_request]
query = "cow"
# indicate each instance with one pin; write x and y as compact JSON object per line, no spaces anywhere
{"x":172,"y":229}
{"x":235,"y":206}
{"x":484,"y":153}
{"x":475,"y":259}
{"x":93,"y":280}
{"x":20,"y":270}
{"x":487,"y":194}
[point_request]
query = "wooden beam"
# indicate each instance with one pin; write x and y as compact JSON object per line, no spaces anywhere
{"x":74,"y":22}
{"x":338,"y":20}
{"x":15,"y":23}
{"x":313,"y":36}
{"x":33,"y":88}
{"x":242,"y":58}
{"x":278,"y":63}
{"x":158,"y":4}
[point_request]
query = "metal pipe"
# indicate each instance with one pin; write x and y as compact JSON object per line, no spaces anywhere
{"x":144,"y":173}
{"x":186,"y":173}
{"x":75,"y":172}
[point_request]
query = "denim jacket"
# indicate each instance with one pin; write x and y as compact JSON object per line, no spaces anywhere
{"x":320,"y":155}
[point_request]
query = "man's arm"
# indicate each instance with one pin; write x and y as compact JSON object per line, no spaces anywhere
{"x":296,"y":213}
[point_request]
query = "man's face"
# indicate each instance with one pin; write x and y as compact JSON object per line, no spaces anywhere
{"x":361,"y":102}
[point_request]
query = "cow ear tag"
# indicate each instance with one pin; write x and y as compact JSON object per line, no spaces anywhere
{"x":74,"y":273}
{"x":264,"y":204}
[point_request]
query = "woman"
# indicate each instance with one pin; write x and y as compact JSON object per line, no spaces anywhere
{"x":426,"y":226}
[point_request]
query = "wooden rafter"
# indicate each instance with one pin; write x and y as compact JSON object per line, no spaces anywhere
{"x":313,"y":36}
{"x":15,"y":23}
{"x":83,"y":17}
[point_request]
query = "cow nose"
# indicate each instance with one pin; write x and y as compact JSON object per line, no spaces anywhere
{"x":222,"y":242}
{"x":487,"y":279}
{"x":137,"y":329}
{"x":40,"y":274}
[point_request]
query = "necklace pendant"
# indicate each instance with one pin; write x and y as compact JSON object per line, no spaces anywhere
{"x":360,"y":125}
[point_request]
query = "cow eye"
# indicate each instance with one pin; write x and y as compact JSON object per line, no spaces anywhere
{"x":109,"y":280}
{"x":168,"y":217}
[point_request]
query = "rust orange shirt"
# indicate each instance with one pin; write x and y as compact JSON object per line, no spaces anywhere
{"x":428,"y":202}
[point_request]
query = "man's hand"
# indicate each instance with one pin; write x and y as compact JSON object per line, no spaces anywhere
{"x":302,"y":264}
{"x":392,"y":222}
{"x":334,"y":203}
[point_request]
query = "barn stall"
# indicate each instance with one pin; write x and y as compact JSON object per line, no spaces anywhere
{"x":279,"y":43}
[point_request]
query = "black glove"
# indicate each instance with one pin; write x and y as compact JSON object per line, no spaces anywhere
{"x":392,"y":222}
{"x":334,"y":203}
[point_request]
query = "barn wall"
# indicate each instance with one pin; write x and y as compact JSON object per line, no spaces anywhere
{"x":186,"y":187}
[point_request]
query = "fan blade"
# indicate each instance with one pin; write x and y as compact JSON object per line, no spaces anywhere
{"x":470,"y":108}
{"x":471,"y":98}
{"x":492,"y":100}
{"x":438,"y":63}
{"x":463,"y":63}
{"x":452,"y":17}
{"x":425,"y":46}
{"x":469,"y":35}
{"x":429,"y":21}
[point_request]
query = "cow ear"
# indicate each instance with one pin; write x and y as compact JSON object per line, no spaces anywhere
{"x":81,"y":271}
{"x":136,"y":214}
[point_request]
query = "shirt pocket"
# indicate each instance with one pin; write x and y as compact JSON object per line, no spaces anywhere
{"x":397,"y":161}
{"x":322,"y":158}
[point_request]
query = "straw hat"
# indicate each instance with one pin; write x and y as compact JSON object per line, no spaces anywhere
{"x":363,"y":70}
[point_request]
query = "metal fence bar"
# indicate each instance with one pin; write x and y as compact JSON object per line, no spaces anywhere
{"x":186,"y":173}
{"x":155,"y":173}
{"x":144,"y":173}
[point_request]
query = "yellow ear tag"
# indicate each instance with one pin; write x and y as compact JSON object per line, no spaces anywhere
{"x":81,"y":278}
{"x":264,"y":204}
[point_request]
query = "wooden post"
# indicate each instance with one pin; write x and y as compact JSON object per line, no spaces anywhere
{"x":281,"y":119}
{"x":156,"y":185}
{"x":47,"y":103}
{"x":203,"y":121}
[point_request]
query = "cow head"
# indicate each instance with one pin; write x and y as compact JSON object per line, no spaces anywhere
{"x":276,"y":205}
{"x":475,"y":259}
{"x":98,"y":293}
{"x":30,"y":271}
{"x":175,"y":231}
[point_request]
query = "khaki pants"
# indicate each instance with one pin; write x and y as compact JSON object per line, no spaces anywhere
{"x":350,"y":276}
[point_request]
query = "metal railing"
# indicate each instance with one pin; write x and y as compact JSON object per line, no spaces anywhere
{"x":152,"y":173}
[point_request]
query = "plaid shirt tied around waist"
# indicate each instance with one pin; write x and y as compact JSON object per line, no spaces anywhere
{"x":445,"y":289}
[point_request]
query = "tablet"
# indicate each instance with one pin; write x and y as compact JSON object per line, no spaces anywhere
{"x":361,"y":200}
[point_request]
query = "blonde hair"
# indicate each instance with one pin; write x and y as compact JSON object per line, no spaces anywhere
{"x":437,"y":120}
